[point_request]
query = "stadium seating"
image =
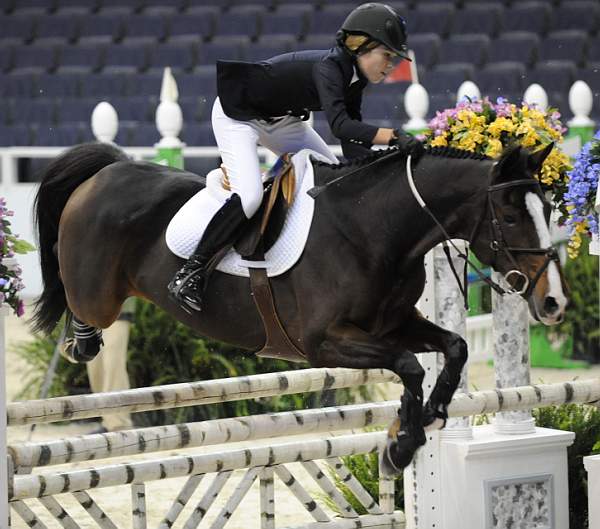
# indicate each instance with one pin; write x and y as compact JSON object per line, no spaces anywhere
{"x":58,"y":58}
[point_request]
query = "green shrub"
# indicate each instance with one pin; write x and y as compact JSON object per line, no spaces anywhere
{"x":584,"y":421}
{"x":582,"y":319}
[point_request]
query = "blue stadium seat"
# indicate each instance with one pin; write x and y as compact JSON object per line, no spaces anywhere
{"x":178,"y":5}
{"x":582,"y":15}
{"x":554,"y":76}
{"x":287,"y":20}
{"x":430,"y":18}
{"x":227,"y":48}
{"x":527,"y":16}
{"x":426,"y":47}
{"x":76,"y":109}
{"x":145,"y":25}
{"x":201,"y":83}
{"x":35,"y":58}
{"x":65,"y":27}
{"x":102,"y":85}
{"x":59,"y":84}
{"x":17,"y":29}
{"x":6,"y":58}
{"x":478,"y":18}
{"x":438,"y":102}
{"x":25,"y":110}
{"x":328,"y":20}
{"x":194,"y":108}
{"x":64,"y":135}
{"x":244,"y":20}
{"x":198,"y":134}
{"x":268,"y":46}
{"x":500,"y":78}
{"x":4,"y":112}
{"x":144,"y":134}
{"x":568,"y":45}
{"x":15,"y":136}
{"x":593,"y":53}
{"x":126,"y":57}
{"x":317,"y":42}
{"x":519,"y":46}
{"x":592,"y":78}
{"x":76,"y":6}
{"x":470,"y":49}
{"x":107,"y":28}
{"x":34,"y":7}
{"x":132,"y":6}
{"x":380,"y":106}
{"x":84,"y":58}
{"x":18,"y":84}
{"x":135,"y":108}
{"x":446,"y":78}
{"x":199,"y":21}
{"x":144,"y":84}
{"x":178,"y":54}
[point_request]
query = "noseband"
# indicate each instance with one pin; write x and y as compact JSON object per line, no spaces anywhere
{"x":498,"y":242}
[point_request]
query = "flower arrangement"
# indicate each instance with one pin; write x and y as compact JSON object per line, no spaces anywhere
{"x":486,"y":128}
{"x":10,"y":277}
{"x":581,"y":194}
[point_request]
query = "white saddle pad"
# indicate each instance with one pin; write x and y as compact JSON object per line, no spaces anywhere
{"x":187,"y":226}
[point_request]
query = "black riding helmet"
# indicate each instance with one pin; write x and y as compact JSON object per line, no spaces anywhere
{"x":379,"y":22}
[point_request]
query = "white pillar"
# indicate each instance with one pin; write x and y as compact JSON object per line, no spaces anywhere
{"x":536,"y":95}
{"x":592,"y":466}
{"x":510,"y":331}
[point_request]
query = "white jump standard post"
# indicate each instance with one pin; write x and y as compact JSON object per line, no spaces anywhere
{"x":511,"y":473}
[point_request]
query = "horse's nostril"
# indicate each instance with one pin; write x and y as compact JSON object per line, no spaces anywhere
{"x":550,"y":305}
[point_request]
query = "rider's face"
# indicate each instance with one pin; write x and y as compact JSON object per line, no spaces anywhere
{"x":377,"y":63}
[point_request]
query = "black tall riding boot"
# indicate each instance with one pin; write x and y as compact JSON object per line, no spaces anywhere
{"x":188,"y":285}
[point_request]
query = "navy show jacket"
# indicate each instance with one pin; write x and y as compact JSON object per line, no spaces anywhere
{"x":296,"y":83}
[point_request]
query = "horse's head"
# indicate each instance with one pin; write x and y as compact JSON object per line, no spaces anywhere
{"x":513,"y":235}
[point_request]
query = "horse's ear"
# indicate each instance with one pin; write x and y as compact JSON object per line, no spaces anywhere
{"x":509,"y":159}
{"x":536,"y":160}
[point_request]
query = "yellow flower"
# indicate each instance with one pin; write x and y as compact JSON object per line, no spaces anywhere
{"x":494,"y":148}
{"x":499,"y":125}
{"x":439,"y":141}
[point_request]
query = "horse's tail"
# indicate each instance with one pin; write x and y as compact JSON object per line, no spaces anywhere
{"x":62,"y":176}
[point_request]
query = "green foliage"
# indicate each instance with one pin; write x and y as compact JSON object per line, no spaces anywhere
{"x":164,"y":351}
{"x":582,"y":318}
{"x":584,"y":421}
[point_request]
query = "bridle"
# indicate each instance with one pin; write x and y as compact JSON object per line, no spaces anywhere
{"x":498,"y":242}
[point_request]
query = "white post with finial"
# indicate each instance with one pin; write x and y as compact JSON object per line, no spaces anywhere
{"x":416,"y":103}
{"x":536,"y":95}
{"x":105,"y":122}
{"x":468,"y":89}
{"x":169,"y":121}
{"x":581,"y":126}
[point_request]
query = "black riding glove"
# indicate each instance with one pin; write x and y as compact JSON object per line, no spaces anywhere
{"x":407,"y":143}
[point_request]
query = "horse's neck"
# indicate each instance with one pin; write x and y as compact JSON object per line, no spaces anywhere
{"x":378,"y":213}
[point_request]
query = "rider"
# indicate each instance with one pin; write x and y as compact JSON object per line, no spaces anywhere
{"x":268,"y":103}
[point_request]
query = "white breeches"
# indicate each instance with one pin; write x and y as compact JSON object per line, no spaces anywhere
{"x":237,"y":142}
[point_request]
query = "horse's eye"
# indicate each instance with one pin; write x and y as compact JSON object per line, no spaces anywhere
{"x":509,"y":219}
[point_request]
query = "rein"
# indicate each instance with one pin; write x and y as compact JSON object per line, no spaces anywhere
{"x":498,"y":243}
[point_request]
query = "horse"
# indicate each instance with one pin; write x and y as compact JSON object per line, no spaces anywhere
{"x":349,"y":301}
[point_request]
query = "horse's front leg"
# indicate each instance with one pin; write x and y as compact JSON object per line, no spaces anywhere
{"x":425,"y":336}
{"x":348,"y":346}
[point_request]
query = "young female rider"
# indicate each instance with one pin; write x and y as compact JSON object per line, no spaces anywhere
{"x":268,"y":102}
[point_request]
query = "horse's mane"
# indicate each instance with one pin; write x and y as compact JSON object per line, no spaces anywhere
{"x":446,"y":152}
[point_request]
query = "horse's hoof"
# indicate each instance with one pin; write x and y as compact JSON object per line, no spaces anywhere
{"x":434,"y":419}
{"x":398,"y":454}
{"x":70,"y":351}
{"x":66,"y":350}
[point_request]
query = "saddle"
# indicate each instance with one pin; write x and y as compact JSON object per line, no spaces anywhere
{"x":257,"y":236}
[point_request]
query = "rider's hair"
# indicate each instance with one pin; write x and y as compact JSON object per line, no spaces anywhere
{"x":354,"y":42}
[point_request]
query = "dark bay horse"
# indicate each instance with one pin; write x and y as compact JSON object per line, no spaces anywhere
{"x":350,"y":299}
